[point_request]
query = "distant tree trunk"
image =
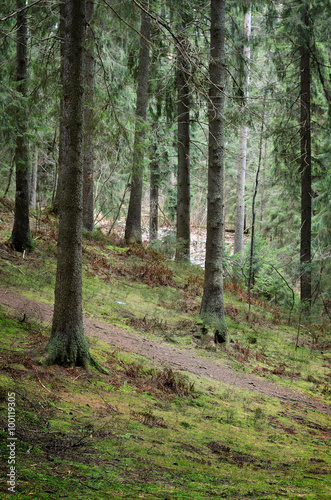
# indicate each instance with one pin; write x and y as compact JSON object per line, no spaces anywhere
{"x":68,"y":345}
{"x":305,"y":134}
{"x":154,"y":193}
{"x":183,"y":171}
{"x":56,"y":200}
{"x":241,"y":177}
{"x":21,"y":236}
{"x":133,"y":220}
{"x":212,"y":306}
{"x":12,"y":163}
{"x":34,"y":177}
{"x":88,"y":203}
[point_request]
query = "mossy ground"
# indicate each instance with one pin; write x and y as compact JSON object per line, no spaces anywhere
{"x":143,"y":431}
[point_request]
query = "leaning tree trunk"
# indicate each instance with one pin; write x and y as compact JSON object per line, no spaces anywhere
{"x":183,"y":172}
{"x":133,"y":220}
{"x":68,"y":345}
{"x":305,"y":135}
{"x":241,"y":176}
{"x":21,"y":236}
{"x":88,"y":203}
{"x":212,"y":306}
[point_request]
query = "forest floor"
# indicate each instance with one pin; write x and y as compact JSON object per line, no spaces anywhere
{"x":162,"y":353}
{"x":174,"y":418}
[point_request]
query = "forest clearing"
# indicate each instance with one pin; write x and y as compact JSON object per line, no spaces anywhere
{"x":165,"y":244}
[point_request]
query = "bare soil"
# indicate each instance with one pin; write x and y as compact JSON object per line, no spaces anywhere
{"x":164,"y":354}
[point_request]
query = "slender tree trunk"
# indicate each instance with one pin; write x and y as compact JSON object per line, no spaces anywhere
{"x":241,"y":176}
{"x":68,"y":345}
{"x":21,"y":236}
{"x":183,"y":172}
{"x":212,"y":306}
{"x":88,"y":203}
{"x":34,"y":177}
{"x":153,"y":192}
{"x":133,"y":220}
{"x":305,"y":134}
{"x":12,"y":163}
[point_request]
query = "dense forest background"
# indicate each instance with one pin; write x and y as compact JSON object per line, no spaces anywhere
{"x":267,"y":45}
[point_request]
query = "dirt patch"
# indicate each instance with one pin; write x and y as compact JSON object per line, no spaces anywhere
{"x":164,"y":354}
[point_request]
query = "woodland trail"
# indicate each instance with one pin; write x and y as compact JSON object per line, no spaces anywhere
{"x":164,"y":354}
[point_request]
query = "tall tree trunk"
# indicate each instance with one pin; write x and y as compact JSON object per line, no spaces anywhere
{"x":88,"y":203}
{"x":21,"y":235}
{"x":133,"y":220}
{"x":68,"y":344}
{"x":34,"y":177}
{"x":243,"y":133}
{"x":183,"y":125}
{"x":56,"y":200}
{"x":305,"y":134}
{"x":153,"y":192}
{"x":212,"y":305}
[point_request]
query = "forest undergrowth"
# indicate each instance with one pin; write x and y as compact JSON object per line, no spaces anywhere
{"x":149,"y":431}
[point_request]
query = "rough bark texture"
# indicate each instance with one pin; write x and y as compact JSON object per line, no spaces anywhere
{"x":153,"y":194}
{"x":88,"y":203}
{"x":212,"y":306}
{"x":241,"y":176}
{"x":305,"y":134}
{"x":67,"y":344}
{"x":183,"y":128}
{"x":133,"y":220}
{"x":56,"y":201}
{"x":21,"y":236}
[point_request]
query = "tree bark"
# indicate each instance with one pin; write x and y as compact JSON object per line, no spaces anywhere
{"x":88,"y":203}
{"x":56,"y":201}
{"x":133,"y":220}
{"x":183,"y":127}
{"x":154,"y":192}
{"x":68,"y":345}
{"x":34,"y":177}
{"x":241,"y":176}
{"x":21,"y":236}
{"x":212,"y":305}
{"x":305,"y":164}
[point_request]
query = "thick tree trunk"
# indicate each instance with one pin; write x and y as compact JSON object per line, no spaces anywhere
{"x":212,"y":306}
{"x":133,"y":220}
{"x":56,"y":201}
{"x":21,"y":237}
{"x":241,"y":176}
{"x":34,"y":177}
{"x":88,"y":203}
{"x":67,"y":344}
{"x":183,"y":172}
{"x":153,"y":194}
{"x":305,"y":134}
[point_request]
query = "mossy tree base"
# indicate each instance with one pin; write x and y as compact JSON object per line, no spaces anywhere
{"x":69,"y":347}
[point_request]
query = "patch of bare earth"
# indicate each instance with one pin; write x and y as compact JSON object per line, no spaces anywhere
{"x":164,"y":354}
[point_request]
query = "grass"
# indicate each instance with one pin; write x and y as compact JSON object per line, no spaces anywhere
{"x":144,"y":431}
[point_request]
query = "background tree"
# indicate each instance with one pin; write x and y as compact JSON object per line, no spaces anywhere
{"x":21,"y":236}
{"x":183,"y":138}
{"x":133,"y":220}
{"x":88,"y":200}
{"x":212,"y":305}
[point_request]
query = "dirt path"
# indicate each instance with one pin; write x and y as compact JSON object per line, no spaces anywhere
{"x":163,"y":353}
